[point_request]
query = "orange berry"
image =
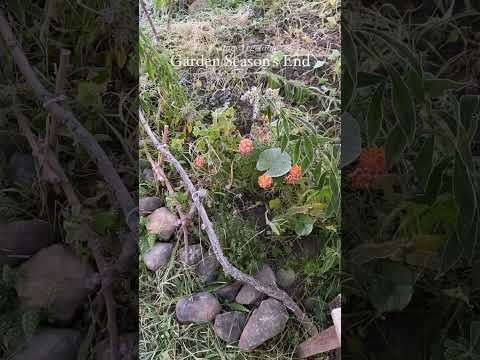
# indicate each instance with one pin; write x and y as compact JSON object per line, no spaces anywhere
{"x":246,"y":146}
{"x":265,"y":182}
{"x":200,"y":161}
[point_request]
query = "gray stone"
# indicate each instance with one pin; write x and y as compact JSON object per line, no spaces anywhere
{"x":266,"y":322}
{"x":127,"y":348}
{"x":207,"y":268}
{"x":286,"y":278}
{"x":162,"y":223}
{"x":158,"y":256}
{"x":51,"y":344}
{"x":21,"y":169}
{"x":56,"y":280}
{"x":21,"y":239}
{"x":147,"y":205}
{"x":200,"y":308}
{"x":248,"y":295}
{"x":229,"y":326}
{"x":148,"y":174}
{"x":193,"y":255}
{"x":229,"y":292}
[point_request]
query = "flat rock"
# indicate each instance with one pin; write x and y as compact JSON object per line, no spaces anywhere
{"x":266,"y":322}
{"x":248,"y":295}
{"x":158,"y":256}
{"x":193,"y":255}
{"x":229,"y":326}
{"x":229,"y":292}
{"x":162,"y":222}
{"x":21,"y":239}
{"x":286,"y":278}
{"x":207,"y":268}
{"x":51,"y":344}
{"x":127,"y":348}
{"x":21,"y":169}
{"x":147,"y":205}
{"x":56,"y":280}
{"x":200,"y":308}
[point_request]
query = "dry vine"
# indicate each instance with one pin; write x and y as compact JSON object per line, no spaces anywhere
{"x":231,"y":270}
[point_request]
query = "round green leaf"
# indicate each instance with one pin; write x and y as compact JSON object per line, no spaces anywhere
{"x":275,"y":162}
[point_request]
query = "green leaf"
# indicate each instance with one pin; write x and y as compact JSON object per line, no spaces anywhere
{"x":437,"y":87}
{"x":304,"y":225}
{"x":403,"y":105}
{"x":375,"y":114}
{"x":400,"y":48}
{"x":275,"y":162}
{"x":275,"y":203}
{"x":468,"y":108}
{"x":452,"y":253}
{"x":351,"y":140}
{"x":392,"y":287}
{"x":395,"y":145}
{"x":424,"y":162}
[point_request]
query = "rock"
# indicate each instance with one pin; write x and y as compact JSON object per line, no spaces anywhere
{"x":148,"y":174}
{"x":21,"y":239}
{"x":193,"y":255}
{"x":229,"y":326}
{"x":158,"y":256}
{"x":127,"y":348}
{"x":286,"y":278}
{"x":56,"y":280}
{"x":51,"y":344}
{"x":266,"y":322}
{"x":207,"y":268}
{"x":21,"y":169}
{"x":197,"y":6}
{"x":200,"y":308}
{"x":248,"y":295}
{"x":147,"y":205}
{"x":162,"y":223}
{"x":229,"y":292}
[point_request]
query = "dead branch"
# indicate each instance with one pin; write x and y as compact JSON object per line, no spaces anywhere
{"x":160,"y":174}
{"x":107,"y":292}
{"x":60,"y":82}
{"x":79,"y":133}
{"x":152,"y":25}
{"x":271,"y":291}
{"x":49,"y":166}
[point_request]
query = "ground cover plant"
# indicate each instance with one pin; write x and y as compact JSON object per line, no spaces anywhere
{"x":263,"y":144}
{"x":410,"y":181}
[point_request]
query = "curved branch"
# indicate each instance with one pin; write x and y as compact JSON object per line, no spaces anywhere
{"x":271,"y":291}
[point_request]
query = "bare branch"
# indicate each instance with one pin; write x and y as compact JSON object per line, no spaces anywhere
{"x":271,"y":291}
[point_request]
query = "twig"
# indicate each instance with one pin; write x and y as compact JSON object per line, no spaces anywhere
{"x":79,"y":133}
{"x":160,"y":174}
{"x":60,"y":82}
{"x":269,"y":290}
{"x":144,"y":7}
{"x":49,"y":166}
{"x":106,"y":274}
